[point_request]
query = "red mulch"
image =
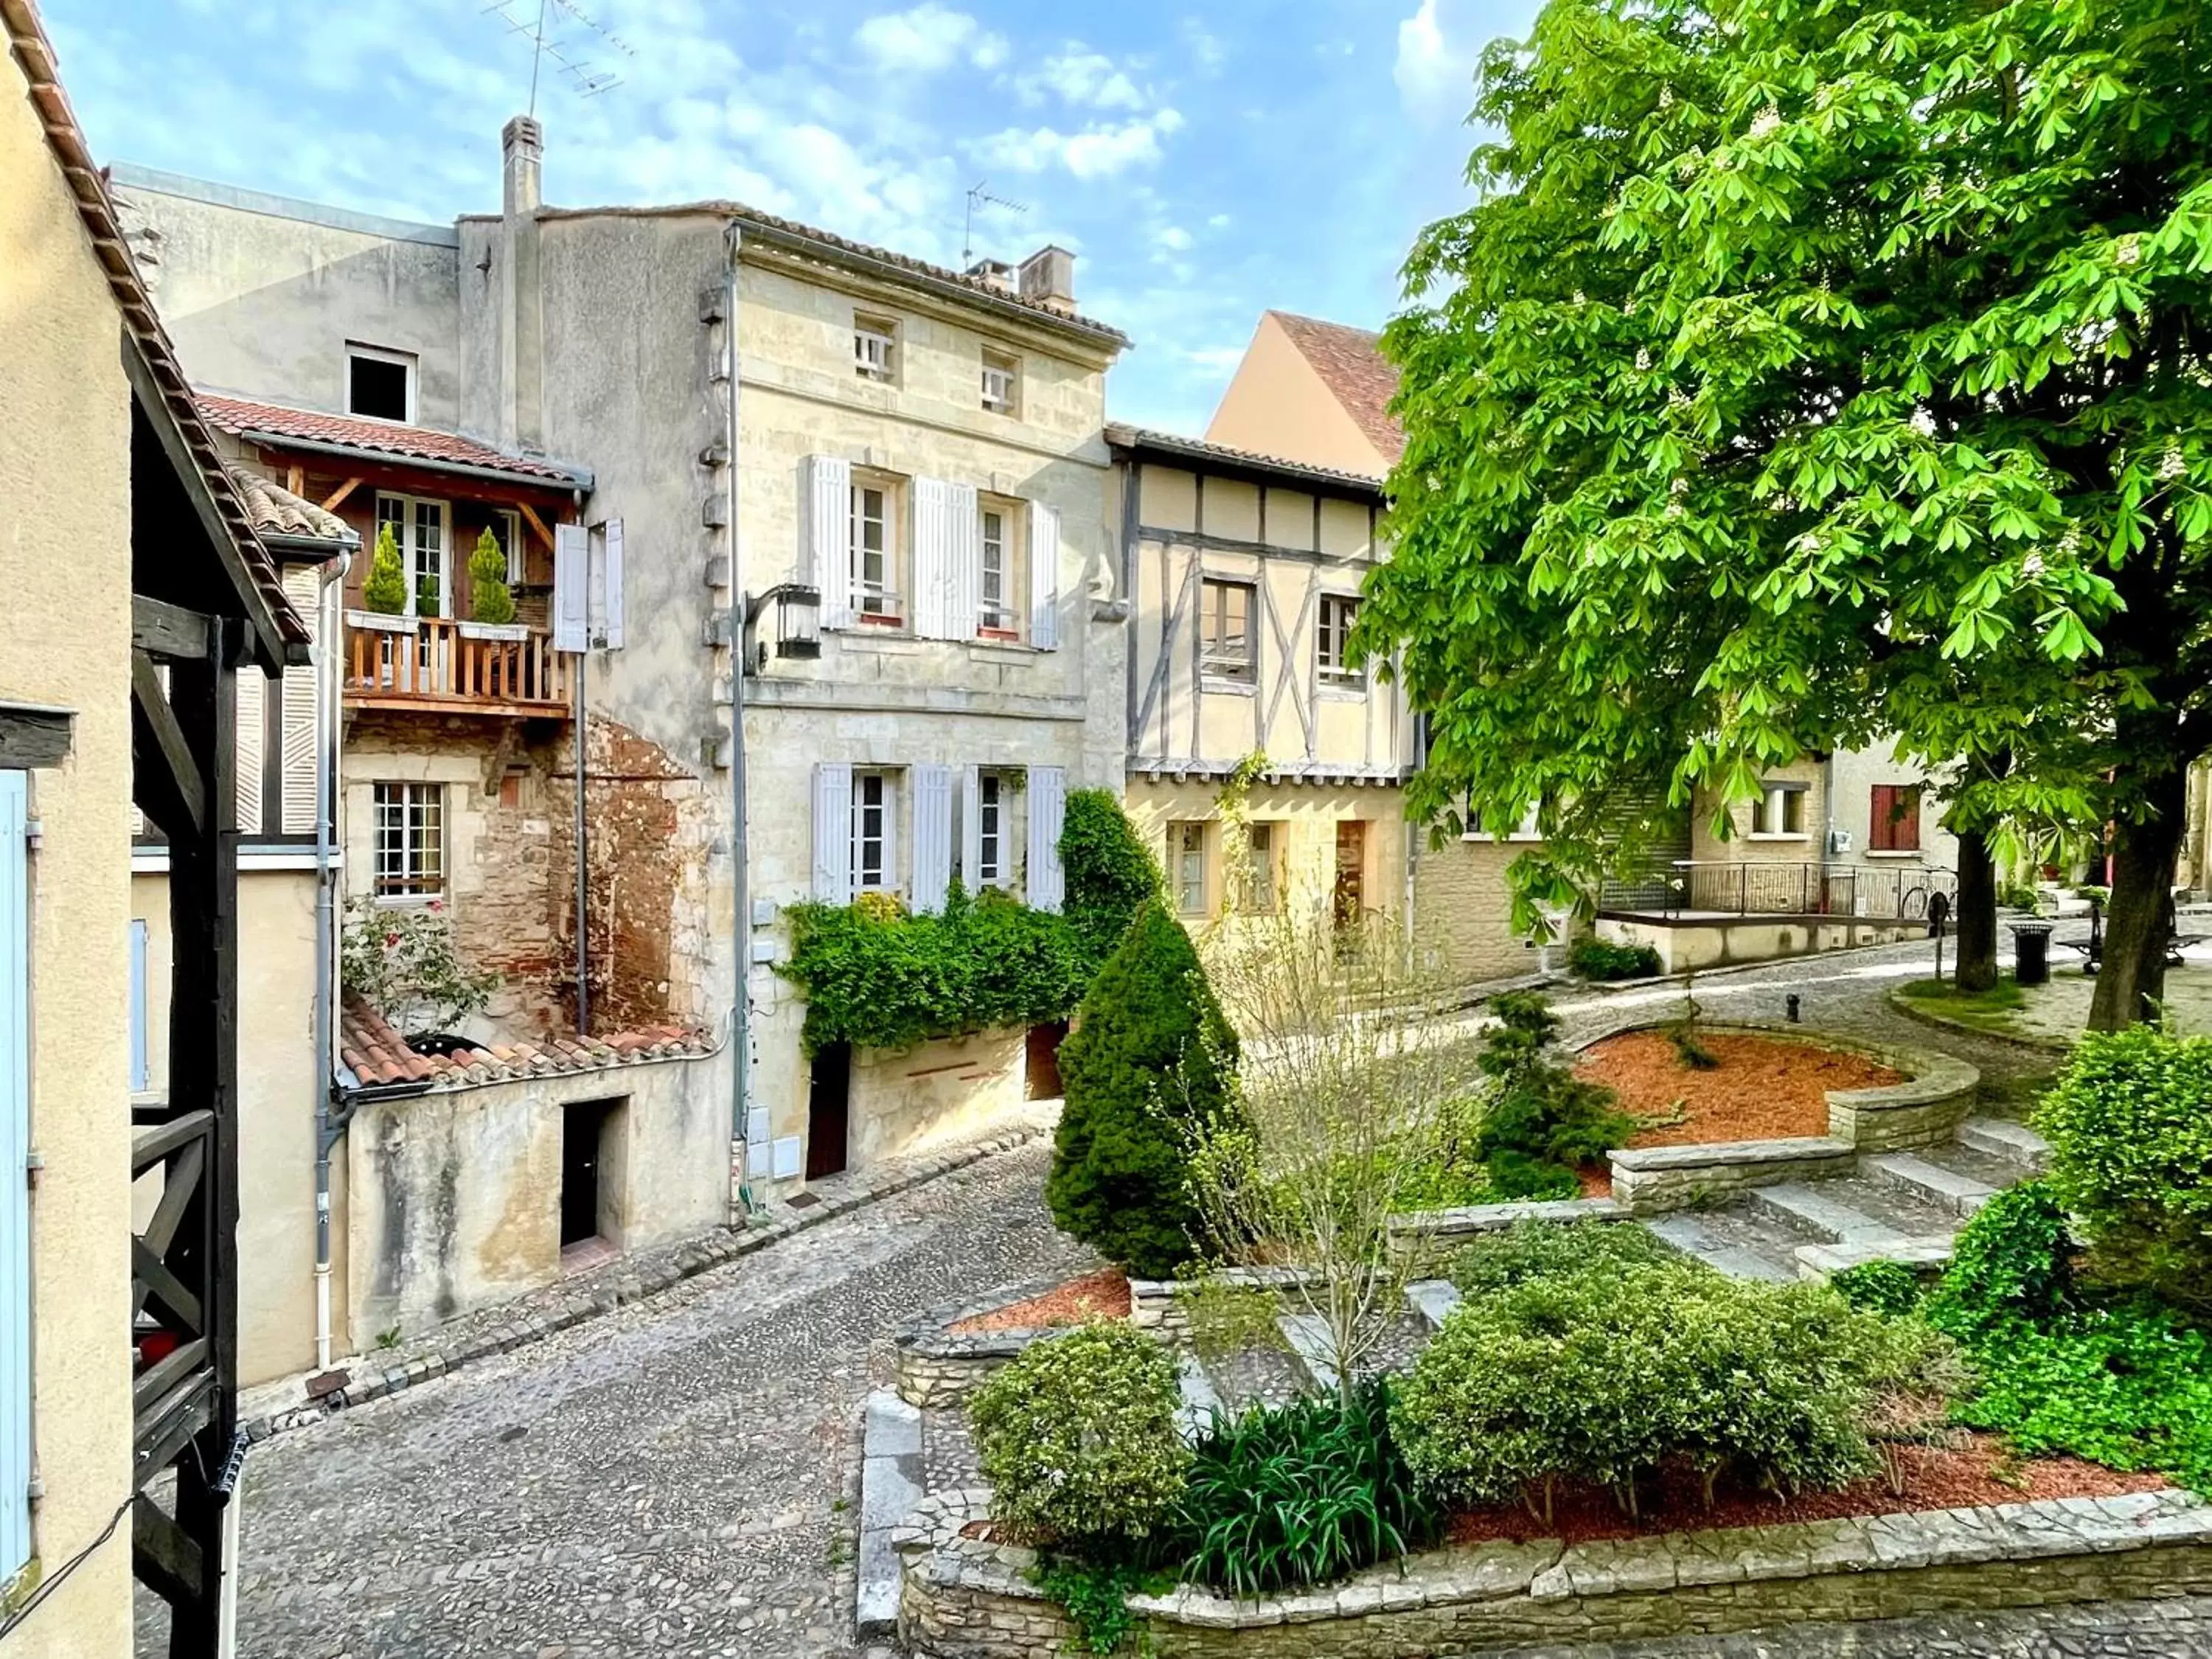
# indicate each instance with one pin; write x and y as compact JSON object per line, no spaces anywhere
{"x":1096,"y":1296}
{"x":1762,"y":1089}
{"x":1935,"y":1479}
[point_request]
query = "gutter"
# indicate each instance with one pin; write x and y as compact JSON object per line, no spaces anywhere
{"x":570,"y":477}
{"x":741,"y":934}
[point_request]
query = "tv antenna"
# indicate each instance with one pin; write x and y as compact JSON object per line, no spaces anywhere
{"x":979,"y":195}
{"x":541,"y":23}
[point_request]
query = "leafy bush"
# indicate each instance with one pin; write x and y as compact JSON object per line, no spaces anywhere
{"x":2013,"y":1260}
{"x":1227,"y":1319}
{"x":402,"y":960}
{"x":1597,"y":959}
{"x":490,"y":599}
{"x":1095,"y":1596}
{"x":1150,"y":1052}
{"x":1111,"y":874}
{"x":1286,"y":1497}
{"x":1545,"y":1249}
{"x":1542,"y":1122}
{"x":1077,"y":1436}
{"x":384,"y":589}
{"x":1882,"y":1287}
{"x":2129,"y":1124}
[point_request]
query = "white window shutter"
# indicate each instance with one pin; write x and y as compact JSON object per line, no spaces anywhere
{"x":252,"y":734}
{"x":1047,"y":792}
{"x":933,"y":836}
{"x":572,"y":578}
{"x":833,"y":833}
{"x":825,"y":535}
{"x":972,"y":828}
{"x":1044,"y":576}
{"x":933,"y":561}
{"x":302,"y":700}
{"x":611,"y":574}
{"x":965,"y":563}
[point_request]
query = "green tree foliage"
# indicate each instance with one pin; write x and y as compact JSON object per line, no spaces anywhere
{"x":1111,"y":874}
{"x":490,"y":599}
{"x":1810,"y":370}
{"x":384,"y":589}
{"x":1151,"y":1054}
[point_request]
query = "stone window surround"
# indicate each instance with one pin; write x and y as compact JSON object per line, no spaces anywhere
{"x":1770,"y":818}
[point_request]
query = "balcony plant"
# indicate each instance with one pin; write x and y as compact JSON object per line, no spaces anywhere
{"x":492,"y":602}
{"x":384,"y":590}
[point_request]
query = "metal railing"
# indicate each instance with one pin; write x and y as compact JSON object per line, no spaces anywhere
{"x":437,"y":665}
{"x":1731,"y":887}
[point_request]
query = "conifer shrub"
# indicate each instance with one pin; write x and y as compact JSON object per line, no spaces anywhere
{"x":1111,"y":874}
{"x":384,"y":590}
{"x":490,"y":599}
{"x":1542,"y":1122}
{"x":1151,"y":1054}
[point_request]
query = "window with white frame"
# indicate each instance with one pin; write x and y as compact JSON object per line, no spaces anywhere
{"x":1263,"y":843}
{"x":1528,"y":828}
{"x":1781,"y":810}
{"x":999,"y":605}
{"x":1224,"y":626}
{"x":419,"y":527}
{"x":1187,"y":866}
{"x":991,"y":830}
{"x":410,"y":828}
{"x":875,"y":552}
{"x":379,"y":383}
{"x":1338,"y":613}
{"x":1001,"y":383}
{"x":874,"y":832}
{"x":875,"y":348}
{"x":506,"y":531}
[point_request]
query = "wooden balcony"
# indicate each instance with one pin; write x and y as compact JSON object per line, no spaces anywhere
{"x":442,"y":666}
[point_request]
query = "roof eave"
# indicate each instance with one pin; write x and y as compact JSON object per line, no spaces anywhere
{"x":572,"y":477}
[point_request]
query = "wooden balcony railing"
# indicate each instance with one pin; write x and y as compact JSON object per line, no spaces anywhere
{"x":439,"y":666}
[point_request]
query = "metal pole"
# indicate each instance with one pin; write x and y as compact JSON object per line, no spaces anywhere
{"x":583,"y":853}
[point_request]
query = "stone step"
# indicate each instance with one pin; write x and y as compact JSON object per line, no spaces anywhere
{"x":1735,"y":1244}
{"x":1202,"y":1401}
{"x":1992,"y":1171}
{"x":1308,"y":1335}
{"x":1820,"y":1213}
{"x":890,"y":1486}
{"x":1819,"y":1261}
{"x":2015,"y":1143}
{"x":1928,"y":1181}
{"x":1433,"y":1299}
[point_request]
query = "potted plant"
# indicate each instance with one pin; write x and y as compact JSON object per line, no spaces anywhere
{"x":492,"y":602}
{"x":384,"y":590}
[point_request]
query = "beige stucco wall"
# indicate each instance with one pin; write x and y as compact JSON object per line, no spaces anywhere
{"x":1851,"y":775}
{"x":64,"y":460}
{"x":1276,"y":405}
{"x":1719,"y":944}
{"x":2196,"y":870}
{"x":1744,"y":845}
{"x":936,"y":1091}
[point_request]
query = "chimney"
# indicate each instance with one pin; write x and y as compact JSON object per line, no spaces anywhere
{"x":522,"y":142}
{"x":1047,"y":276}
{"x":995,"y":272}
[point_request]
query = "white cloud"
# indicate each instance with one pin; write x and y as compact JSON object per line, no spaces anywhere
{"x":927,"y":38}
{"x":1083,"y":78}
{"x":1174,"y":237}
{"x":1097,"y":153}
{"x":1437,"y":49}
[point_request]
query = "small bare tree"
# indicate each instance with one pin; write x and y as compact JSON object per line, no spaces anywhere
{"x":1346,"y":1086}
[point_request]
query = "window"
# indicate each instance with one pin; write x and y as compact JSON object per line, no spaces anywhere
{"x":872,"y":832}
{"x":875,"y":554}
{"x":418,"y":530}
{"x":1338,"y":612}
{"x":1187,"y":866}
{"x":1262,"y":842}
{"x":380,"y":384}
{"x":506,"y":531}
{"x":998,"y":607}
{"x":1781,"y":810}
{"x":875,"y":348}
{"x":410,"y":840}
{"x":990,"y":830}
{"x":1001,"y":383}
{"x":1224,"y":623}
{"x":1894,"y":824}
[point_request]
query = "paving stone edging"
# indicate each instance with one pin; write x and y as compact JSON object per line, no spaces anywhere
{"x":379,"y":1375}
{"x":964,"y":1598}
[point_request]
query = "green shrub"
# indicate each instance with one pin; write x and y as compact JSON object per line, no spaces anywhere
{"x":1150,"y":1054}
{"x":1597,"y":959}
{"x":1547,"y":1249}
{"x":1290,"y":1496}
{"x":1077,"y":1436}
{"x":1690,"y":1050}
{"x":384,"y":589}
{"x":2013,"y":1262}
{"x":490,"y":599}
{"x":1882,"y":1287}
{"x":1111,"y":874}
{"x":1541,"y":1122}
{"x":2129,"y":1124}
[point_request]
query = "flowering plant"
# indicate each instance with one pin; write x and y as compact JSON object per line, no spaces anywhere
{"x":402,"y":960}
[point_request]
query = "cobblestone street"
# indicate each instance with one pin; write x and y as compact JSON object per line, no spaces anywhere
{"x":677,"y":1477}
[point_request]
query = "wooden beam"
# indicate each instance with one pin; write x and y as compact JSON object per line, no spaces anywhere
{"x":151,"y":1146}
{"x":32,"y":736}
{"x":162,"y":1557}
{"x":295,"y":479}
{"x":165,"y":780}
{"x":161,"y":629}
{"x":536,"y":523}
{"x":150,"y":1275}
{"x":177,"y":1366}
{"x":181,"y":1181}
{"x":337,"y":497}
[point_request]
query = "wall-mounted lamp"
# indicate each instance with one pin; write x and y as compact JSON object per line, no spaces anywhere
{"x":798,"y":628}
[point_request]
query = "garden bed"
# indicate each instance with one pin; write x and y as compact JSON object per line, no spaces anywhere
{"x":1763,"y":1089}
{"x":1104,"y":1295}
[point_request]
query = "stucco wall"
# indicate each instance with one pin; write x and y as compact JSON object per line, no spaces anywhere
{"x":2196,"y":870}
{"x":64,"y":460}
{"x":1276,"y":405}
{"x":904,"y":1103}
{"x":1852,"y":775}
{"x":456,"y":1193}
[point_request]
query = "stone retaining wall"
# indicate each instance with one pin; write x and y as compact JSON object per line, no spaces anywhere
{"x":970,"y":1599}
{"x":939,"y":1367}
{"x":1153,"y":1305}
{"x":1651,"y":1180}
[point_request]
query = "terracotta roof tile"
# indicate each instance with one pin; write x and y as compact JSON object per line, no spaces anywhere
{"x":1139,"y":438}
{"x":378,"y":1057}
{"x":1351,"y":364}
{"x":277,"y":512}
{"x":416,"y":443}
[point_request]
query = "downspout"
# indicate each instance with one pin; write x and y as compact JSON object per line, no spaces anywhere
{"x":742,"y":933}
{"x":583,"y":843}
{"x":328,"y":1129}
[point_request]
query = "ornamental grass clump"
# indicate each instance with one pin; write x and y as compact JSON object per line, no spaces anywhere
{"x":1077,"y":1437}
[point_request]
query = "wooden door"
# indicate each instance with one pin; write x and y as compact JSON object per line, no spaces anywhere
{"x":1351,"y":871}
{"x":829,"y":1111}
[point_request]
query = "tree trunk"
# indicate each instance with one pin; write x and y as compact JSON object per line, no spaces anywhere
{"x":1976,"y":919}
{"x":2143,"y":858}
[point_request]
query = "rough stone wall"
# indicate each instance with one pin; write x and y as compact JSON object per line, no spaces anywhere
{"x":1463,"y":912}
{"x":1743,"y":848}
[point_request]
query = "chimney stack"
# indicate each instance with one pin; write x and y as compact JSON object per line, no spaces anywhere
{"x":1047,"y":276}
{"x":522,"y":142}
{"x":521,"y":321}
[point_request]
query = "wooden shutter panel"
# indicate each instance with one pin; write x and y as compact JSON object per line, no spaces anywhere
{"x":1047,"y":792}
{"x":933,"y":836}
{"x":302,"y":704}
{"x":963,"y":563}
{"x":15,"y":1188}
{"x":611,"y":588}
{"x":972,"y":828}
{"x":833,"y":832}
{"x":253,"y":740}
{"x":1044,"y":576}
{"x":572,"y":575}
{"x":825,"y":535}
{"x":932,"y":560}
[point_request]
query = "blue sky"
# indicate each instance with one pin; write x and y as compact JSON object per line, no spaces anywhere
{"x":1206,"y":161}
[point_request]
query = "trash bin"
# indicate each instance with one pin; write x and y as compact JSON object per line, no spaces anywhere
{"x":2031,"y":946}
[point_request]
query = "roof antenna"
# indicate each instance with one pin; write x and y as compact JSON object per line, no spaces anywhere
{"x":545,"y":42}
{"x":979,"y":195}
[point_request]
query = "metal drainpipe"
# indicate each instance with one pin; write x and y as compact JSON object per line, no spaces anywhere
{"x":741,"y":944}
{"x":326,"y":1130}
{"x":583,"y":844}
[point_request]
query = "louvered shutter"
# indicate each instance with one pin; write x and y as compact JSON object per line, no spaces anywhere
{"x":833,"y":832}
{"x":302,"y":703}
{"x":572,"y":579}
{"x":1047,"y":792}
{"x":933,"y":836}
{"x":972,"y":828}
{"x":963,"y":563}
{"x":825,"y":535}
{"x":252,"y":741}
{"x":611,"y":590}
{"x":1044,"y":576}
{"x":932,"y":559}
{"x":15,"y":1190}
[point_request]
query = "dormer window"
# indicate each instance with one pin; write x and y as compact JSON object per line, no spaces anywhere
{"x":1001,"y":382}
{"x":875,"y":348}
{"x":381,"y":384}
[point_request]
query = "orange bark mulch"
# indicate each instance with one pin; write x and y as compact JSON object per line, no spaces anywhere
{"x":1096,"y":1296}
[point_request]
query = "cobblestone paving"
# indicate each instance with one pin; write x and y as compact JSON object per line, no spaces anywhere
{"x":2177,"y":1629}
{"x":676,"y":1478}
